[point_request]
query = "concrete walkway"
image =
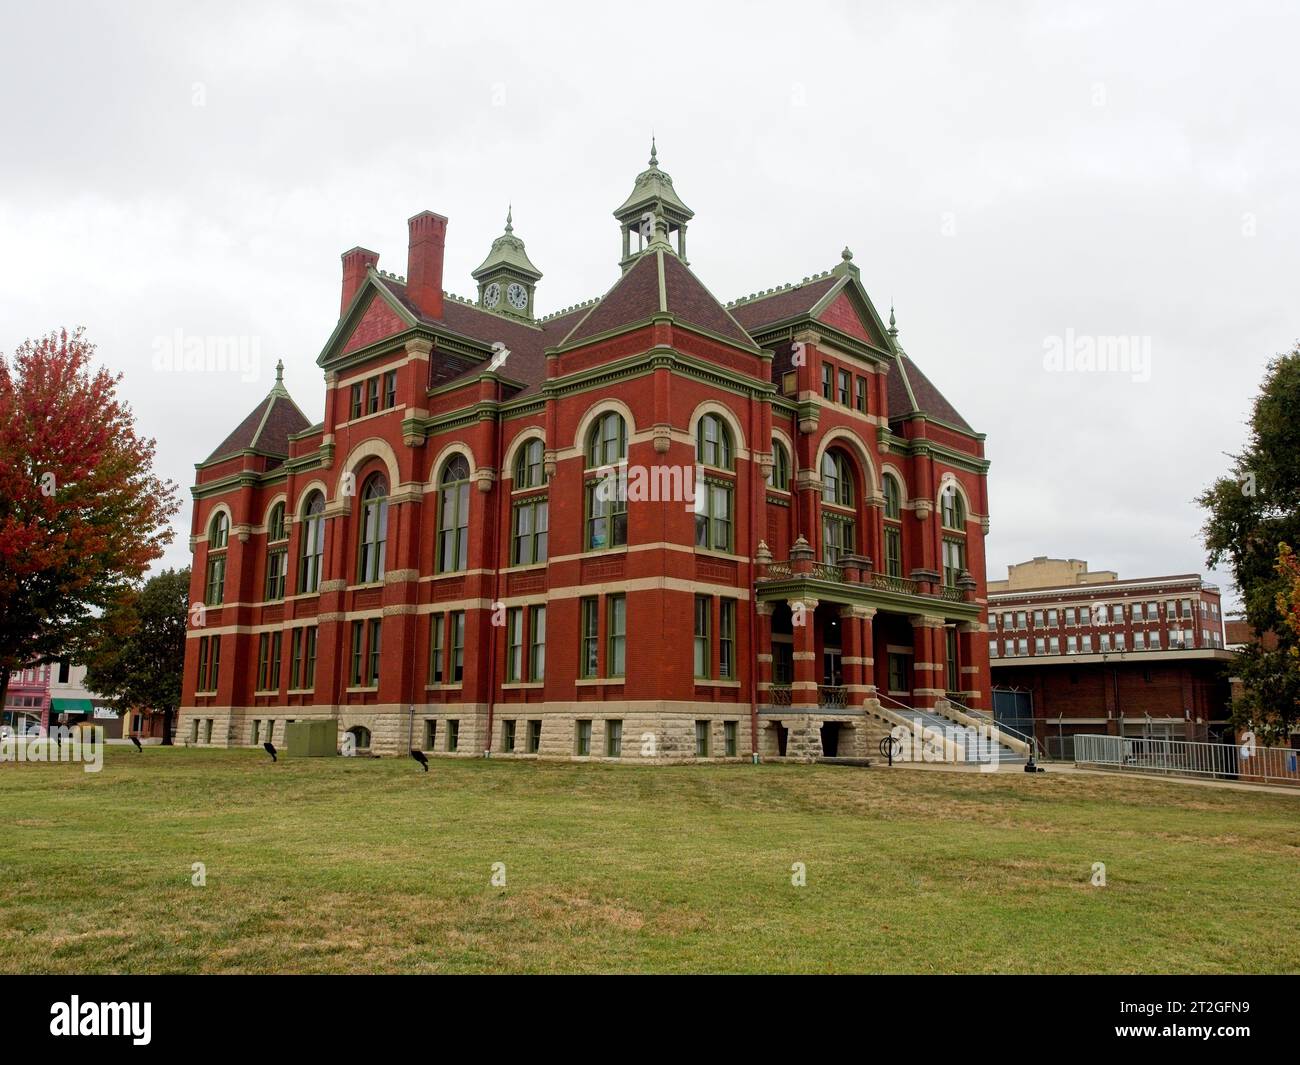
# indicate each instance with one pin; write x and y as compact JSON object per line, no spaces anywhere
{"x":1065,"y":768}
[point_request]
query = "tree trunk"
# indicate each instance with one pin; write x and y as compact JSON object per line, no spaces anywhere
{"x":167,"y":726}
{"x":4,"y":690}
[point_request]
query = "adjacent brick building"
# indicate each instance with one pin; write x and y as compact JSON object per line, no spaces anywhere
{"x":650,"y":526}
{"x":1077,"y":651}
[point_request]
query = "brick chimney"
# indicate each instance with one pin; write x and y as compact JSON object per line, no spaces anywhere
{"x":424,"y":262}
{"x":355,"y":264}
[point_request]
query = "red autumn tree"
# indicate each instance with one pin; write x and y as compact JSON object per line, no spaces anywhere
{"x":81,"y":513}
{"x":1288,"y":600}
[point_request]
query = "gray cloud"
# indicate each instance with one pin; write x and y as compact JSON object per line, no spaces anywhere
{"x":1004,"y":173}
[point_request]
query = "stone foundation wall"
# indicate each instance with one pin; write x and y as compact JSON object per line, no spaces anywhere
{"x":652,"y":733}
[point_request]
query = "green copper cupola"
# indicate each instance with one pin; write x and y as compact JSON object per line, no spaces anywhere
{"x":507,"y":279}
{"x":652,"y":195}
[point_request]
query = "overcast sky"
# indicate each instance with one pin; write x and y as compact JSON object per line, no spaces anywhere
{"x":1021,"y":179}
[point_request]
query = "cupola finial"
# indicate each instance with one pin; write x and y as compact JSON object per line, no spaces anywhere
{"x":654,"y":153}
{"x":510,"y":210}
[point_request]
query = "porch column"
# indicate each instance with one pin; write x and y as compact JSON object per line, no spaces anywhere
{"x":927,"y":668}
{"x":970,"y":636}
{"x":855,"y":626}
{"x":763,"y":642}
{"x":803,"y":692}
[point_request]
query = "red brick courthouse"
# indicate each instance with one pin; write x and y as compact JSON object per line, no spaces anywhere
{"x":651,"y":526}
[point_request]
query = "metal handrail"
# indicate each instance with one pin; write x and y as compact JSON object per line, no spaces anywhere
{"x":1028,"y":740}
{"x":1192,"y":758}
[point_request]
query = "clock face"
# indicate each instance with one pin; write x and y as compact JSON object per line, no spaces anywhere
{"x":492,"y":295}
{"x":518,"y":296}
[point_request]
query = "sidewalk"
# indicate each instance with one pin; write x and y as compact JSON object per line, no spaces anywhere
{"x":1060,"y":768}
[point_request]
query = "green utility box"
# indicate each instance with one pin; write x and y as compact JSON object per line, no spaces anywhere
{"x":311,"y":739}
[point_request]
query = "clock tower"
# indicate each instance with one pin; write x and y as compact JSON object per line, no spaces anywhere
{"x":507,"y":279}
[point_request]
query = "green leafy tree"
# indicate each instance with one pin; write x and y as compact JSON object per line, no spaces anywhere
{"x":1253,"y":513}
{"x":136,"y":656}
{"x":82,"y":514}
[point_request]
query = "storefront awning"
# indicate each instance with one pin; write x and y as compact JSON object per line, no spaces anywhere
{"x":71,"y":706}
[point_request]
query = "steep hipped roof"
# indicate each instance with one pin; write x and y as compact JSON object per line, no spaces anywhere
{"x":911,"y":392}
{"x":268,"y":427}
{"x":659,"y":282}
{"x":766,"y":308}
{"x":527,"y":341}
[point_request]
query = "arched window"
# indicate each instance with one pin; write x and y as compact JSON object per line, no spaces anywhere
{"x":214,"y":593}
{"x":606,"y":495}
{"x":529,"y":472}
{"x":893,"y":498}
{"x":893,"y":526}
{"x":219,"y":531}
{"x":839,"y":527}
{"x":779,"y":478}
{"x":607,"y":441}
{"x":311,"y":549}
{"x":953,"y":509}
{"x":277,"y":553}
{"x":453,"y":515}
{"x":529,"y":514}
{"x":713,"y":442}
{"x":360,"y":736}
{"x":374,"y":530}
{"x":837,"y":479}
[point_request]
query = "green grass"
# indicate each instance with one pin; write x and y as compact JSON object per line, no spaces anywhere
{"x":362,"y":865}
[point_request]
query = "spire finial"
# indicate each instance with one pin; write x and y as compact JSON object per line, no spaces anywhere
{"x":510,"y":211}
{"x":893,"y":325}
{"x":279,"y":372}
{"x":846,"y":255}
{"x":654,"y":152}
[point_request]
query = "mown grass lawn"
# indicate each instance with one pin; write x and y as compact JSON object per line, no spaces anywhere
{"x":369,"y":865}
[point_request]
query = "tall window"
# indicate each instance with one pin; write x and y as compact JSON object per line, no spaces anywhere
{"x":606,"y":492}
{"x":893,"y":526}
{"x":713,"y":498}
{"x":703,"y":649}
{"x":531,"y":519}
{"x":218,"y":538}
{"x":589,"y":665}
{"x":311,"y":548}
{"x":435,"y":648}
{"x":374,"y":646}
{"x":536,"y":643}
{"x":514,"y":644}
{"x":953,"y":509}
{"x":838,"y":526}
{"x":374,"y":530}
{"x":713,"y":442}
{"x":529,"y":472}
{"x":954,"y":561}
{"x":713,"y":515}
{"x":457,"y":646}
{"x":727,"y":639}
{"x":845,"y":383}
{"x":779,"y":478}
{"x":277,"y":553}
{"x":837,"y":479}
{"x":453,"y":515}
{"x":302,"y":661}
{"x":616,"y":635}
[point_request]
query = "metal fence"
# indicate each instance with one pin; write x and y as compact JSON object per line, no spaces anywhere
{"x":1221,"y":761}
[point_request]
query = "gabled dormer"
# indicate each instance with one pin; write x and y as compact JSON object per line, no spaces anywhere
{"x":507,"y":279}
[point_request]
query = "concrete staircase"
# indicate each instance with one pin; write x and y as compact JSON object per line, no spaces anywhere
{"x":964,"y":743}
